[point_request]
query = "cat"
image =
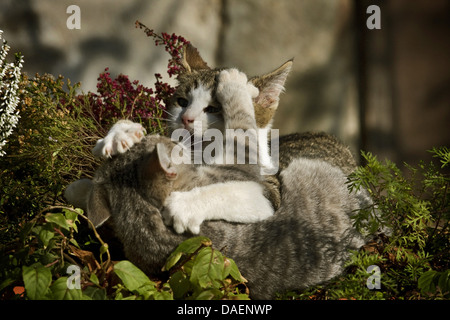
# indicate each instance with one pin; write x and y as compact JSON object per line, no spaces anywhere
{"x":195,"y":100}
{"x":306,"y":242}
{"x":234,"y":96}
{"x":185,"y":177}
{"x":198,"y":99}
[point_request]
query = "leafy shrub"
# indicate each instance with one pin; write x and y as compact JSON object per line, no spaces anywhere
{"x":413,"y":255}
{"x":40,"y":264}
{"x":58,"y":128}
{"x":198,"y":271}
{"x":50,"y":147}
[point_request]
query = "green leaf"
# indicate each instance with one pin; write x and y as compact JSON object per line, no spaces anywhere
{"x":7,"y":282}
{"x":234,"y":271}
{"x":59,"y":219}
{"x":444,"y":281}
{"x":60,"y":291}
{"x":208,"y":268}
{"x":94,"y":279}
{"x":133,"y":278}
{"x":147,"y":290}
{"x":426,"y":282}
{"x":24,"y":233}
{"x":191,"y":245}
{"x":187,"y":267}
{"x":162,"y":295}
{"x":55,"y":153}
{"x":187,"y":247}
{"x":209,"y":294}
{"x":240,"y":296}
{"x":37,"y":279}
{"x":180,"y":284}
{"x":119,"y":296}
{"x":45,"y":235}
{"x":95,"y":293}
{"x":72,"y":218}
{"x":75,"y":243}
{"x":172,"y":260}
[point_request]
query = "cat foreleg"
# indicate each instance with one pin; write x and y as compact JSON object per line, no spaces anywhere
{"x":233,"y":201}
{"x":235,"y":94}
{"x":122,"y":136}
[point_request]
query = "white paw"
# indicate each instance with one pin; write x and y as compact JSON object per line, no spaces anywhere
{"x":180,"y":215}
{"x":122,"y":136}
{"x":232,"y":75}
{"x":233,"y":78}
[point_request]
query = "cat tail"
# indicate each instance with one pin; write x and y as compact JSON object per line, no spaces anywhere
{"x":78,"y":192}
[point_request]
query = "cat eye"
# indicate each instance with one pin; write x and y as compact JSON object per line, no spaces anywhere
{"x":211,"y":109}
{"x":182,"y":102}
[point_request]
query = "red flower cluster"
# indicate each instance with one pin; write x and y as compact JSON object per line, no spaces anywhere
{"x":172,"y":43}
{"x":122,"y":99}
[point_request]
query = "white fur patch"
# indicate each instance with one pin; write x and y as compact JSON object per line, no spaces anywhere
{"x":234,"y":201}
{"x":199,"y":99}
{"x":122,"y":136}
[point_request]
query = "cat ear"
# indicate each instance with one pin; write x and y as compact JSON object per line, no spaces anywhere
{"x":165,"y":163}
{"x":192,"y":60}
{"x":270,"y":87}
{"x":98,"y":210}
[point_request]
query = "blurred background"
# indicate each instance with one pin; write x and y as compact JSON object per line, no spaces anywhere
{"x":386,"y":91}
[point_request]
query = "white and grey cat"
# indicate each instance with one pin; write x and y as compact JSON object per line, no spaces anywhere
{"x":219,"y":99}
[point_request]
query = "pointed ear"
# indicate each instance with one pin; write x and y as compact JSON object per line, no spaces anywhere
{"x":192,"y":60}
{"x":98,"y":210}
{"x":270,"y":87}
{"x":165,"y":163}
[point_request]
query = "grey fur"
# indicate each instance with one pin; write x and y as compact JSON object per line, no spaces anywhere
{"x":316,"y":145}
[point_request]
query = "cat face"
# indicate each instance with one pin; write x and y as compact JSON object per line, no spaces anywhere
{"x":194,"y":100}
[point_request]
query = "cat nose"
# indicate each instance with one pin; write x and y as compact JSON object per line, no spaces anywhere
{"x":186,"y":120}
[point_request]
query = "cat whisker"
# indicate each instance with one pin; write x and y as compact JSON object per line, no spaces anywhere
{"x":169,"y":113}
{"x":184,"y":142}
{"x":215,"y":121}
{"x":196,"y":143}
{"x":159,"y":119}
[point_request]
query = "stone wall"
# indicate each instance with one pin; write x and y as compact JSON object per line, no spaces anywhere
{"x":326,"y":90}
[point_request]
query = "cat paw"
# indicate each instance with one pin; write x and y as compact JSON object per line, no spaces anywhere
{"x":122,"y":136}
{"x":232,"y":79}
{"x":179,"y":214}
